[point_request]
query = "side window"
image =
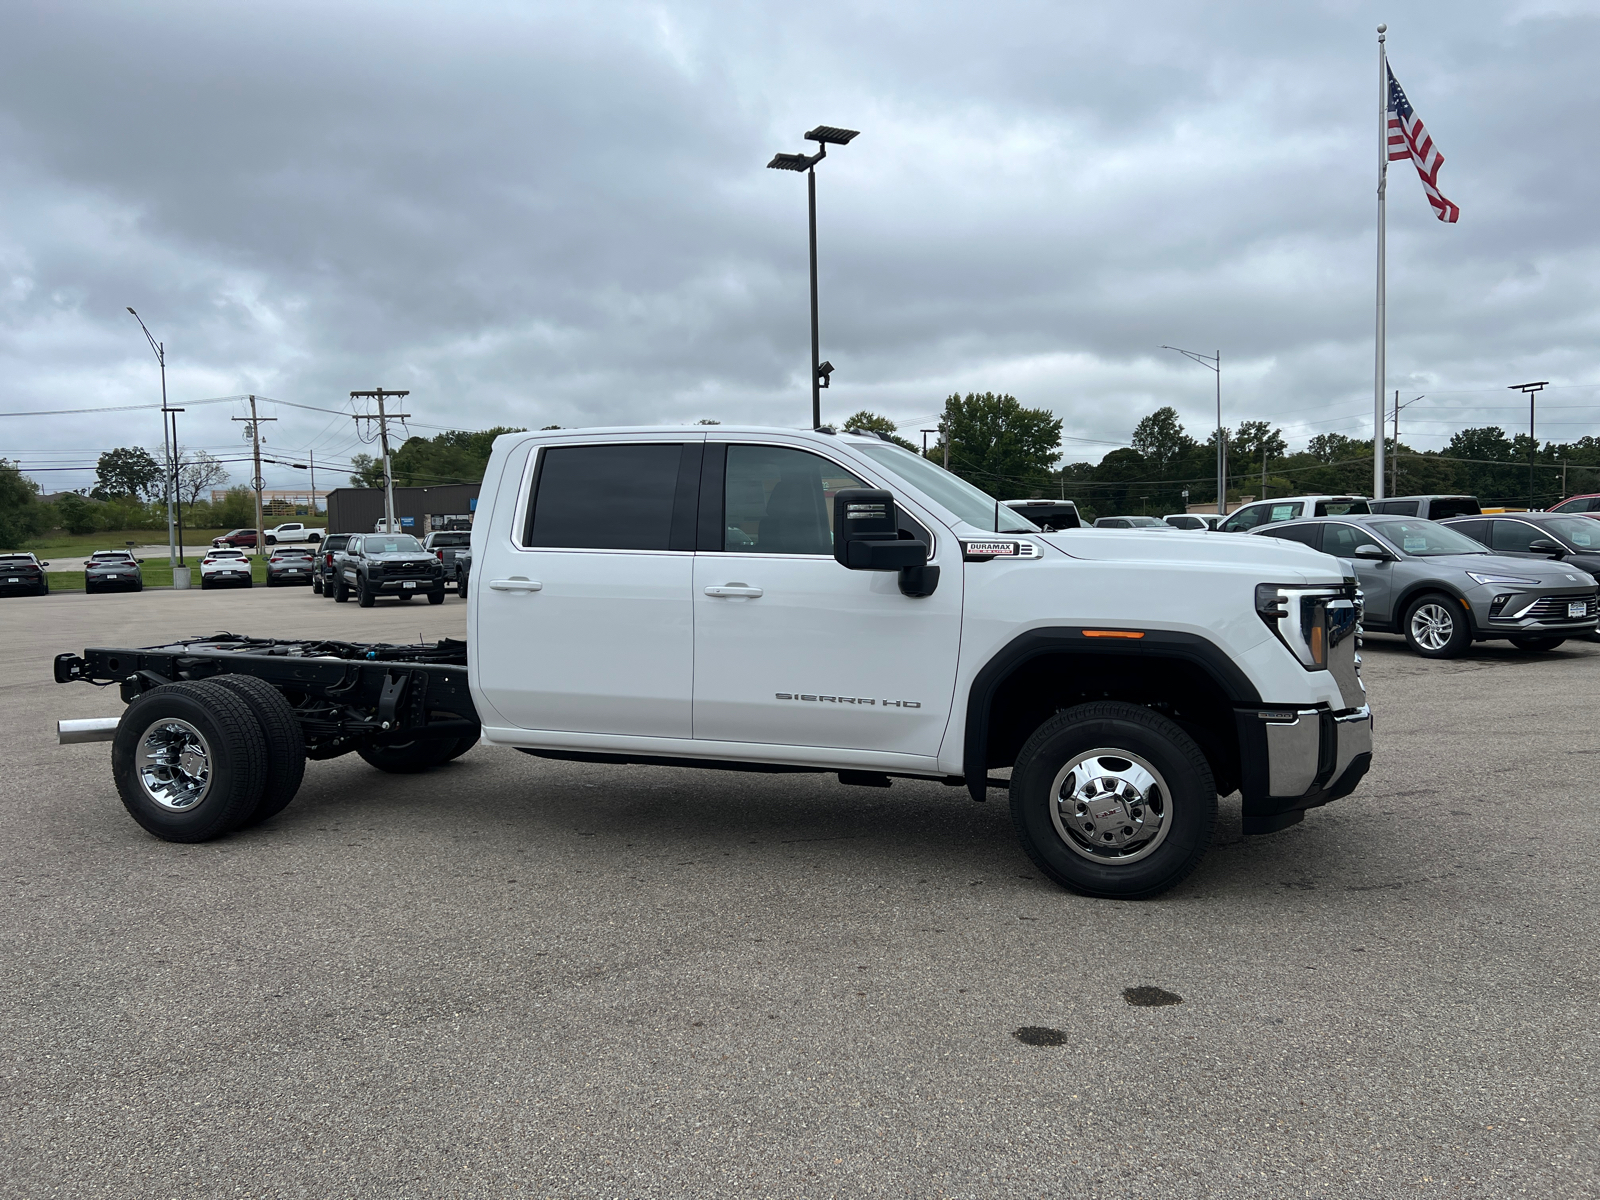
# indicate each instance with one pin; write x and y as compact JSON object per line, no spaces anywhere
{"x":780,"y":501}
{"x":1341,"y":540}
{"x":1514,"y":536}
{"x":604,"y":497}
{"x":1245,"y":518}
{"x":1478,"y":531}
{"x":1305,"y":534}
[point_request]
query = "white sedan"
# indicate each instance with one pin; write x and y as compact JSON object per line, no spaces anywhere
{"x":224,"y":568}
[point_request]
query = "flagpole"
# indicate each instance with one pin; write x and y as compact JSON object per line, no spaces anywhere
{"x":1379,"y":365}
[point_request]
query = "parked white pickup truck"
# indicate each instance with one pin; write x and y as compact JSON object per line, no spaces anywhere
{"x":772,"y":600}
{"x":293,"y":531}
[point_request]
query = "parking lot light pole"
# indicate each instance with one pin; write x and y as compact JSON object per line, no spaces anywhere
{"x":1213,"y":363}
{"x":161,"y":357}
{"x":1530,"y":390}
{"x":824,"y":136}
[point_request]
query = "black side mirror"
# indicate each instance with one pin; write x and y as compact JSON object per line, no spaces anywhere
{"x":866,"y":537}
{"x":1369,"y":550}
{"x":1545,"y":546}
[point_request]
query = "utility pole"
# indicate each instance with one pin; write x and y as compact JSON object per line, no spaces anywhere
{"x":313,"y":457}
{"x":1394,"y":467}
{"x":257,"y":482}
{"x":383,"y":418}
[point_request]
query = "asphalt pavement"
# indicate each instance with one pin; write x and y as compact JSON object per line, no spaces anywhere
{"x":514,"y":977}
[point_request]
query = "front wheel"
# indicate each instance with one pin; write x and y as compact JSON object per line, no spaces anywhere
{"x":461,"y":586}
{"x":436,"y":596}
{"x":363,"y":597}
{"x":1536,"y":645}
{"x":1436,"y":627}
{"x":1113,"y":800}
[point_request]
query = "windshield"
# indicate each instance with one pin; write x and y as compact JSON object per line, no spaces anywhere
{"x":1582,"y":532}
{"x":977,"y":508}
{"x":391,"y":543}
{"x":1425,"y":539}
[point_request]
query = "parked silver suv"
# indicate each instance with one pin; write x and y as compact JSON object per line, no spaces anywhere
{"x":1443,"y":591}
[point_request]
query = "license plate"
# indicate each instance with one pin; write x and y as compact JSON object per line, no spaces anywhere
{"x":1578,"y":608}
{"x":13,"y":579}
{"x":409,"y":583}
{"x":291,"y":571}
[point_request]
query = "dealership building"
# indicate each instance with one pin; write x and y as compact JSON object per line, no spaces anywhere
{"x":419,"y":510}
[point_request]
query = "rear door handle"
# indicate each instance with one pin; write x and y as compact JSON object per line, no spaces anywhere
{"x":514,"y":585}
{"x":735,"y":589}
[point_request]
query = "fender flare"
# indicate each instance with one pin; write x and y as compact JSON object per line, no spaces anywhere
{"x":1154,"y":643}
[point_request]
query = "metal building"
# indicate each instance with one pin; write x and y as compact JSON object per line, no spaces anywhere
{"x":419,"y":510}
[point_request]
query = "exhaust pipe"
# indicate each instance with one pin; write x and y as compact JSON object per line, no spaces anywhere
{"x":95,"y":729}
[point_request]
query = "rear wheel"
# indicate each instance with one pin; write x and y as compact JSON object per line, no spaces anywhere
{"x":1536,"y":645}
{"x":1436,"y":627}
{"x":286,"y":744}
{"x":316,"y":585}
{"x":1113,"y":800}
{"x":189,"y":760}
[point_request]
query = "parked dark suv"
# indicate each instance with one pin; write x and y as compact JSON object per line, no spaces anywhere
{"x":23,"y":573}
{"x":387,"y":564}
{"x":1433,"y":508}
{"x":327,"y":565}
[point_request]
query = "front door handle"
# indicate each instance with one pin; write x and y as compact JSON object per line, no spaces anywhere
{"x":735,"y":589}
{"x":514,"y":585}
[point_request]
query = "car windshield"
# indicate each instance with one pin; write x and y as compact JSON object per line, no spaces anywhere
{"x":977,"y":508}
{"x":1582,"y":533}
{"x":1425,"y":539}
{"x":390,"y":543}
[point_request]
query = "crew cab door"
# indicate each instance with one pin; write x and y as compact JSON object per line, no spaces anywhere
{"x":793,"y":649}
{"x":581,"y":620}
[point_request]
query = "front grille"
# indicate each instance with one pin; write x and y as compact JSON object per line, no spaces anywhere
{"x":1554,"y":608}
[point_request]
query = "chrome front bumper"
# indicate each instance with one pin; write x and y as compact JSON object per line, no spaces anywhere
{"x":1309,"y":757}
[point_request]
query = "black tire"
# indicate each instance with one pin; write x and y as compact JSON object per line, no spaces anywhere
{"x":43,"y":589}
{"x":315,"y":538}
{"x":316,"y":585}
{"x":271,"y":582}
{"x":1184,"y":810}
{"x":271,"y":541}
{"x":1437,"y":626}
{"x":89,"y":590}
{"x":363,"y":597}
{"x":341,"y":591}
{"x":139,"y":587}
{"x":1536,"y":645}
{"x":205,"y":584}
{"x":235,"y":760}
{"x":461,"y":585}
{"x":286,"y":744}
{"x":436,"y":596}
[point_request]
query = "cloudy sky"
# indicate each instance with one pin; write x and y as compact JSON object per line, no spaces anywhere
{"x":535,"y":214}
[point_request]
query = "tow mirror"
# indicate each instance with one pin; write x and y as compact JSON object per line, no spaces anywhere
{"x":866,"y":537}
{"x":1370,"y":551}
{"x":1544,"y":546}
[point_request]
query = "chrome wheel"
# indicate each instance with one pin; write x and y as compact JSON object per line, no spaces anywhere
{"x":1432,"y":626}
{"x":1111,"y":806}
{"x":173,"y":764}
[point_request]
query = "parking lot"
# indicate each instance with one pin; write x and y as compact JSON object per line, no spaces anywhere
{"x":520,"y":977}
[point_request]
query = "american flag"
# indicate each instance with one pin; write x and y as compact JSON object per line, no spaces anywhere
{"x":1408,"y":138}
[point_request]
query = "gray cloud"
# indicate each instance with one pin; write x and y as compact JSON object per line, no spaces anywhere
{"x":560,"y":214}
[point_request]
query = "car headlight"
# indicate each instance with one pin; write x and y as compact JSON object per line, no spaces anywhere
{"x":1488,"y":577}
{"x":1310,"y":621}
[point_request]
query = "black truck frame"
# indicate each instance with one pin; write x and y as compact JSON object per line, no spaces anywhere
{"x":344,"y":695}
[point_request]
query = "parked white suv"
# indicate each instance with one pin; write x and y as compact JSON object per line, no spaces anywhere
{"x":1291,"y":508}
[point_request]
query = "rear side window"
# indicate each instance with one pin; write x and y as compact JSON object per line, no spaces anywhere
{"x":1305,"y":534}
{"x":604,"y":497}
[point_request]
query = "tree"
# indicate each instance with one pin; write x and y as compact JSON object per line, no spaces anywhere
{"x":238,"y":508}
{"x":128,"y":471}
{"x":1329,"y":448}
{"x":871,"y":422}
{"x":997,"y":444}
{"x":368,"y":471}
{"x":198,"y":472}
{"x":21,"y":515}
{"x":457,"y":456}
{"x":77,"y":513}
{"x":1161,"y":440}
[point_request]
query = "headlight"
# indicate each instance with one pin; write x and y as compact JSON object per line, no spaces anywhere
{"x":1310,"y":621}
{"x":1515,"y":580}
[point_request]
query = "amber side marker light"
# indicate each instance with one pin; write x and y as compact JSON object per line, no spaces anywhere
{"x":1113,"y":633}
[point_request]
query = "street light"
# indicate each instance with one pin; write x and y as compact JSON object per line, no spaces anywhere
{"x":171,"y":483}
{"x":1394,"y":470}
{"x":824,"y":136}
{"x":1530,"y":390}
{"x":1213,"y":363}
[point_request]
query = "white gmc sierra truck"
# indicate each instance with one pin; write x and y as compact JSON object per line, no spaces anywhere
{"x":771,"y":600}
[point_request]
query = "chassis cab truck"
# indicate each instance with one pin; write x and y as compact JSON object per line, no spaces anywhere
{"x":764,"y":599}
